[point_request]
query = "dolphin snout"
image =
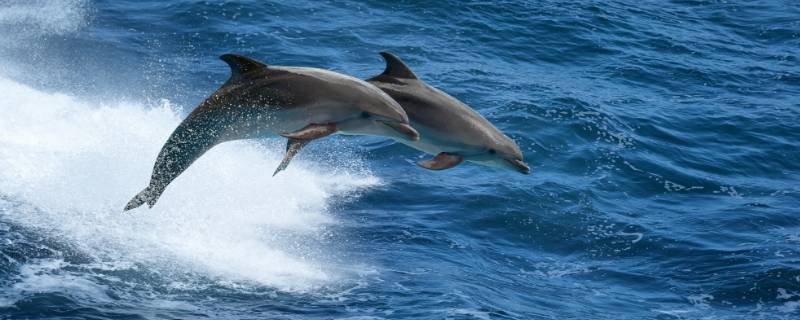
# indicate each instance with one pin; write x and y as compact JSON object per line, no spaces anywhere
{"x":521,"y":166}
{"x":404,"y":129}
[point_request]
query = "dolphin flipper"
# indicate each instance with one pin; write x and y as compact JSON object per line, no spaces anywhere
{"x":300,"y":138}
{"x":312,"y":131}
{"x":292,"y":147}
{"x":441,"y":161}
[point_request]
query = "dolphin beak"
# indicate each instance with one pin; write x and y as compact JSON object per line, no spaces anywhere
{"x":521,"y":166}
{"x":403,"y":128}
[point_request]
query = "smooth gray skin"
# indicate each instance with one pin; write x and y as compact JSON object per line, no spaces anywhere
{"x":260,"y":100}
{"x":446,"y":124}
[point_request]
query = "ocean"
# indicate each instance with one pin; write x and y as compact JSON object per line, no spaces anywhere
{"x":663,"y":137}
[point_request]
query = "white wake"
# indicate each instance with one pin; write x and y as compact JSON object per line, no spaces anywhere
{"x":73,"y":166}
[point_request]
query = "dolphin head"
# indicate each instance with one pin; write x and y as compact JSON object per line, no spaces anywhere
{"x":502,"y":153}
{"x":390,"y":116}
{"x":382,"y":117}
{"x":378,"y":125}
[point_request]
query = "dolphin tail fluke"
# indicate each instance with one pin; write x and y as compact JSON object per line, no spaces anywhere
{"x":149,"y":195}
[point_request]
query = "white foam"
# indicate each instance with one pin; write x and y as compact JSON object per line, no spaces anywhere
{"x":30,"y":18}
{"x":43,"y":276}
{"x":74,"y":165}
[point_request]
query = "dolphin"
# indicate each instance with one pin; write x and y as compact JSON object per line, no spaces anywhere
{"x":258,"y":100}
{"x":449,"y":129}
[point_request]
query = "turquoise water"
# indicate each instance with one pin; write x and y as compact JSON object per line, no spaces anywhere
{"x":662,"y":135}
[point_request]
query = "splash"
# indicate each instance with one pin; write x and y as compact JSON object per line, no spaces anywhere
{"x":29,"y":18}
{"x":70,"y":166}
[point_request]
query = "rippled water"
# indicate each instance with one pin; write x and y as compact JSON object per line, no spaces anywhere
{"x":663,"y":138}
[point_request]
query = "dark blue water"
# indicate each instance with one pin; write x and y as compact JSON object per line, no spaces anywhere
{"x":663,"y":137}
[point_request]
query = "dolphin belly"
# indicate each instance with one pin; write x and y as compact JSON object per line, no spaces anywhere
{"x":262,"y":123}
{"x":430,"y":141}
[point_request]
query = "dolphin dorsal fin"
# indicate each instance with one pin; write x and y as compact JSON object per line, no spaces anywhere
{"x":396,"y":67}
{"x":241,"y":64}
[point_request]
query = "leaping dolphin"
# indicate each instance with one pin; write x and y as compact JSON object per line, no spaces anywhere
{"x":301,"y":104}
{"x":449,"y":129}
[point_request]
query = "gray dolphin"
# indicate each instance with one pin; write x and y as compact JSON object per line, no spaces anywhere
{"x":449,"y":129}
{"x":301,"y":104}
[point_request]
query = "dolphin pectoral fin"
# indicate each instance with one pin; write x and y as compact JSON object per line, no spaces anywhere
{"x":292,"y":147}
{"x":442,"y":161}
{"x":312,"y":131}
{"x":298,"y":139}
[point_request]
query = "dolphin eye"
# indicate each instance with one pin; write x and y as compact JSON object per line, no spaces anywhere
{"x":365,"y":115}
{"x":492,"y":151}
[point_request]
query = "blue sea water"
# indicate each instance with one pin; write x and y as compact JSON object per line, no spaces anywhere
{"x":664,"y":138}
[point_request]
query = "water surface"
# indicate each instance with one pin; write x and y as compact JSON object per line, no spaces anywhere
{"x":663,"y":138}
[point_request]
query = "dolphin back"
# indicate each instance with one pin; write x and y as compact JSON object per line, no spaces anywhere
{"x":240,"y":64}
{"x":396,"y":68}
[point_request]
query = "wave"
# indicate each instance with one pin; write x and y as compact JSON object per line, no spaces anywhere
{"x":29,"y":18}
{"x":67,"y":167}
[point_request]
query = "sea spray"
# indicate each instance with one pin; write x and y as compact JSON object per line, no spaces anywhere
{"x":73,"y":165}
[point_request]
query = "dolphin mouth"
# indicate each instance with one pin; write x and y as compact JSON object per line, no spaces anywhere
{"x":521,"y":166}
{"x":404,"y":129}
